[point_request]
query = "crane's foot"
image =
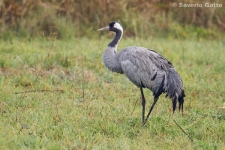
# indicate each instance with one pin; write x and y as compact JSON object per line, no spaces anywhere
{"x":144,"y":123}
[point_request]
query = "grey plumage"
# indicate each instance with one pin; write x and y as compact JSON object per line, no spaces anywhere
{"x":145,"y":68}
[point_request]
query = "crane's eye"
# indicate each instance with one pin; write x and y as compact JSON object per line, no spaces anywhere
{"x":111,"y":25}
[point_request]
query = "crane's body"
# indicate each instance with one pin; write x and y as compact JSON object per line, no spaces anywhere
{"x":145,"y":68}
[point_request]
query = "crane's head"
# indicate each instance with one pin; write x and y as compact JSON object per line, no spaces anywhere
{"x":113,"y":26}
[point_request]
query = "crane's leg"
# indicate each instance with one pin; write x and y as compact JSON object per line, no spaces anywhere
{"x":155,"y":100}
{"x":143,"y":105}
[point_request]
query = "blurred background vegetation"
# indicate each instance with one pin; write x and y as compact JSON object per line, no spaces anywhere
{"x":81,"y":18}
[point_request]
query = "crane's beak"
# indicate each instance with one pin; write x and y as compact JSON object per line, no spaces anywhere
{"x":105,"y":28}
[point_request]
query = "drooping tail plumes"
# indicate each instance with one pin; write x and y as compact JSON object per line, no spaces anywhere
{"x":174,"y":101}
{"x":181,"y":101}
{"x":174,"y":88}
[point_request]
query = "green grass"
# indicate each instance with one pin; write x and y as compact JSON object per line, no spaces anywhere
{"x":82,"y":105}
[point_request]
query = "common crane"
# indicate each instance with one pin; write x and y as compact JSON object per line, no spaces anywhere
{"x":145,"y":68}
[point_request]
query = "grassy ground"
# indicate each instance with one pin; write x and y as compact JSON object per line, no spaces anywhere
{"x":59,"y":95}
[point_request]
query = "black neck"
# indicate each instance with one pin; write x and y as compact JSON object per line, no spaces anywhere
{"x":116,"y":38}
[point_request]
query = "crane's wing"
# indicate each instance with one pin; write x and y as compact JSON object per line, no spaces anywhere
{"x":145,"y":68}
